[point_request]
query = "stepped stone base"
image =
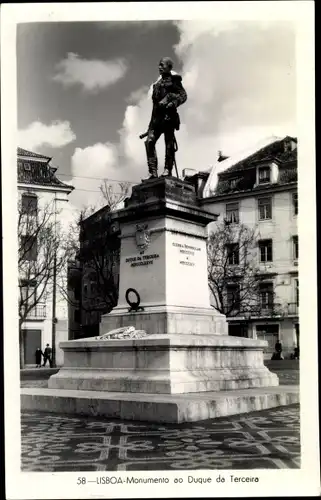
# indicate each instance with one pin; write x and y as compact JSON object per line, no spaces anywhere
{"x":165,"y":408}
{"x":167,"y":319}
{"x":164,"y":364}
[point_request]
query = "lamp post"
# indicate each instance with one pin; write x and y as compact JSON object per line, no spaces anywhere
{"x":247,"y":317}
{"x":54,"y":293}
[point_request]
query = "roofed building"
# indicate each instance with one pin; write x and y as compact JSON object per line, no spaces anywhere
{"x":258,"y":188}
{"x":39,"y":188}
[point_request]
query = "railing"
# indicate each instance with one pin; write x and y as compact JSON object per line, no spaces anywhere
{"x":275,"y":310}
{"x":37,"y":312}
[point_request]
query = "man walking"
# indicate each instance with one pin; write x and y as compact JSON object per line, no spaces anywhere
{"x":47,"y":356}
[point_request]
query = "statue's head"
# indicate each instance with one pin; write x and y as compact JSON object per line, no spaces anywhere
{"x":165,"y":65}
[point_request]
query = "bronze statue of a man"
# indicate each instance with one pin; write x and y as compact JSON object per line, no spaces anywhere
{"x":168,"y":94}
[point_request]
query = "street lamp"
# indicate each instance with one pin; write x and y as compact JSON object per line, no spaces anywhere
{"x":247,"y":317}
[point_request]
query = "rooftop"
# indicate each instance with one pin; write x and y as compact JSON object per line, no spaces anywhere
{"x":282,"y":151}
{"x":25,"y":152}
{"x":34,"y":172}
{"x":274,"y":150}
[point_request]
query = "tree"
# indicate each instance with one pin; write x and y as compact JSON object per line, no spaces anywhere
{"x":95,"y":241}
{"x":233,"y":271}
{"x":42,"y":255}
{"x":114,"y":198}
{"x":99,"y":255}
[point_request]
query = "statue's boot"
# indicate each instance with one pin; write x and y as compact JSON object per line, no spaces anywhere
{"x":166,"y":172}
{"x":168,"y":166}
{"x":150,"y":176}
{"x":151,"y":160}
{"x":152,"y":173}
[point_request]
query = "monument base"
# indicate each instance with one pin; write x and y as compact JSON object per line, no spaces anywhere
{"x":167,"y":319}
{"x":164,"y":364}
{"x":164,"y":408}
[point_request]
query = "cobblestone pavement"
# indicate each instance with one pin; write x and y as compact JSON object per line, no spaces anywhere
{"x":267,"y":439}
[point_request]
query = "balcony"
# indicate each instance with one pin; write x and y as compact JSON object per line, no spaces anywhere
{"x":277,"y":310}
{"x":37,"y":313}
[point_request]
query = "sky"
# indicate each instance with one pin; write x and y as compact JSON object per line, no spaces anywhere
{"x":84,"y":93}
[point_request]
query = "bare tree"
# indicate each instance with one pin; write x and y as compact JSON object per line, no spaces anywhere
{"x":99,"y":255}
{"x":114,"y":198}
{"x":95,"y":243}
{"x":233,"y":271}
{"x":42,"y":254}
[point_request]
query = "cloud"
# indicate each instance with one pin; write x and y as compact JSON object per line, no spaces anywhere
{"x":91,"y":74}
{"x":237,"y":75}
{"x":241,"y":86}
{"x":89,"y":167}
{"x":137,"y":95}
{"x":240,"y":81}
{"x":37,"y":134}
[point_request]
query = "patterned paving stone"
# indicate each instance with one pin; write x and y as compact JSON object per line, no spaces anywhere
{"x":267,"y":439}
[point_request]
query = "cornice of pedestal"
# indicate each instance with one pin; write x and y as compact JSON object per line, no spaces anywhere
{"x":165,"y":196}
{"x":166,"y":208}
{"x":164,"y":228}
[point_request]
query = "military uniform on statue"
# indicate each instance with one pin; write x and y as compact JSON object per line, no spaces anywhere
{"x":168,"y":94}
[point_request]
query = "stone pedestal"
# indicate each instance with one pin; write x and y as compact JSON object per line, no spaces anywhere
{"x":164,"y":364}
{"x":187,"y":351}
{"x":163,"y":257}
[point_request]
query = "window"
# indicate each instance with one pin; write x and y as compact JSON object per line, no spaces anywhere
{"x":297,"y":295}
{"x":28,"y":248}
{"x":233,"y":253}
{"x":28,"y":291}
{"x":29,"y":204}
{"x":237,"y":330}
{"x":265,"y":247}
{"x":27,"y":166}
{"x":265,"y":208}
{"x":270,"y":333}
{"x":233,"y":183}
{"x":233,"y":297}
{"x":264,"y":175}
{"x":295,"y":247}
{"x":232,"y":212}
{"x":77,"y":293}
{"x":266,"y":295}
{"x":295,"y":203}
{"x":77,"y":315}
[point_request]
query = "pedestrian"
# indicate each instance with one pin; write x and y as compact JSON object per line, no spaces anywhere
{"x":278,"y":350}
{"x":47,"y":356}
{"x":38,"y":356}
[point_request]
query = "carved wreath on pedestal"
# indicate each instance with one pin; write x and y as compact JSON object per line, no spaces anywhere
{"x":142,"y":237}
{"x":126,"y":332}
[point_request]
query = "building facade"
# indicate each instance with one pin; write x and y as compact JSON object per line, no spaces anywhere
{"x":93,"y":278}
{"x":42,"y":197}
{"x":259,"y":190}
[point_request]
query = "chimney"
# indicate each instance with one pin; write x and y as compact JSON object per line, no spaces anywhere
{"x":221,"y":157}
